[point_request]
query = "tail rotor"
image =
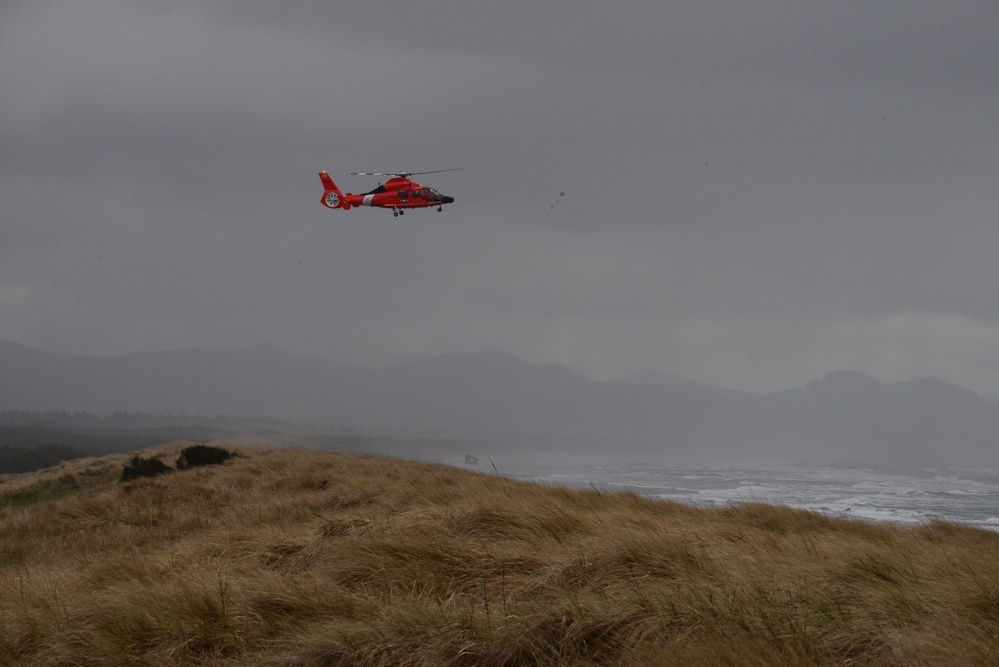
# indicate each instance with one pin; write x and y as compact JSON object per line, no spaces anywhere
{"x":332,"y":197}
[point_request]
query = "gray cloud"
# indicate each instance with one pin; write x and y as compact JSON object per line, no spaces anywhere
{"x":755,"y":193}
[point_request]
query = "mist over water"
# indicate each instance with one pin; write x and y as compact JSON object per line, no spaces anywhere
{"x":906,"y":495}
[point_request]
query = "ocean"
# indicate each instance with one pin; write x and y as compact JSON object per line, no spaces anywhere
{"x":905,"y":495}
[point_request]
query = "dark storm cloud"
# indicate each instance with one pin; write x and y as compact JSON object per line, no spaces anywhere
{"x":755,"y":193}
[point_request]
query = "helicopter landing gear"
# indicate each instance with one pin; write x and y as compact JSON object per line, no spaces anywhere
{"x":396,"y":214}
{"x":440,"y":208}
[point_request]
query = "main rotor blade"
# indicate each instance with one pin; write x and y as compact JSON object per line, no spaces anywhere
{"x":434,"y":171}
{"x":401,"y":174}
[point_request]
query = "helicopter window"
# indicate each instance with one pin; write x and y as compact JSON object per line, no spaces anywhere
{"x":418,"y":193}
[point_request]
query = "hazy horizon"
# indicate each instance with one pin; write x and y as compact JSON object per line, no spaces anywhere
{"x":644,"y":375}
{"x":844,"y":416}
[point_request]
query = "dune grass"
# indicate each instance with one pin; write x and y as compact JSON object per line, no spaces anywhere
{"x":293,"y":558}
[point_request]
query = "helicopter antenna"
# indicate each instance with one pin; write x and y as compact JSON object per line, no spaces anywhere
{"x":401,"y":174}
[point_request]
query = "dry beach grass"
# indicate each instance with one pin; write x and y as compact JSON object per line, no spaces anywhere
{"x":293,"y":558}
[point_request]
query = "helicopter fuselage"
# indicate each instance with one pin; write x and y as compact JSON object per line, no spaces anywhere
{"x":398,"y":194}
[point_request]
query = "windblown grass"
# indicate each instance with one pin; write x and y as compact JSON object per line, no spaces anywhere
{"x":291,"y":558}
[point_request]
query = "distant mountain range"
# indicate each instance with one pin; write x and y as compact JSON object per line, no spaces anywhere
{"x":845,"y":416}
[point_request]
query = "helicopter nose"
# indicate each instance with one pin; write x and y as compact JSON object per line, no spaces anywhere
{"x":448,"y":200}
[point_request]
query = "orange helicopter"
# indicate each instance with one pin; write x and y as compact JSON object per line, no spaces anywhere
{"x":398,"y":193}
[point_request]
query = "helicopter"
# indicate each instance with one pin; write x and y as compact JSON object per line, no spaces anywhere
{"x":397,"y":193}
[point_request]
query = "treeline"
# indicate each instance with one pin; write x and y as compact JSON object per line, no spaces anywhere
{"x":35,"y":440}
{"x":23,"y":449}
{"x":140,"y":421}
{"x":27,"y":459}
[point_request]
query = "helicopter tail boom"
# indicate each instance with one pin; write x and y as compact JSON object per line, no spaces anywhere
{"x":332,"y":197}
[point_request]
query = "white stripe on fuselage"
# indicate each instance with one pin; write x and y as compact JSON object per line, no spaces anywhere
{"x":367,"y":200}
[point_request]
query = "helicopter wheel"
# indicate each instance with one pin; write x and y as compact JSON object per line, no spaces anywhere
{"x":395,"y":214}
{"x":440,"y":208}
{"x":401,"y":212}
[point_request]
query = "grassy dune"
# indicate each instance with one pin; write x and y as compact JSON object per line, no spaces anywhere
{"x":294,"y":558}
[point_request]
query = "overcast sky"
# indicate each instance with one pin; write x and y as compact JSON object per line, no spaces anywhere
{"x":755,"y":193}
